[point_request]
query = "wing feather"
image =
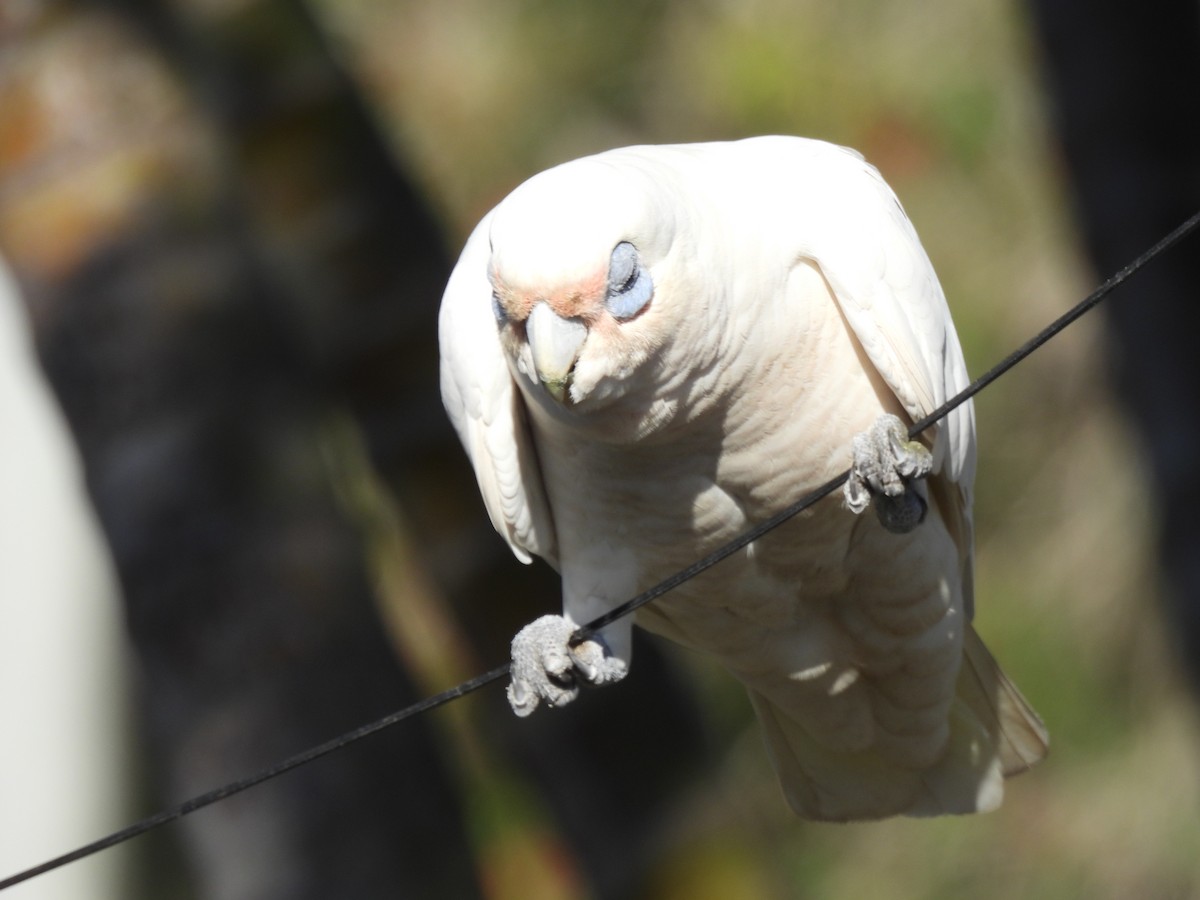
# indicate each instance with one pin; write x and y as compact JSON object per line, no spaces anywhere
{"x":888,"y":291}
{"x":487,"y":410}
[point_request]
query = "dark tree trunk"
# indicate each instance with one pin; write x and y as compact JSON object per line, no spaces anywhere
{"x":1123,"y":80}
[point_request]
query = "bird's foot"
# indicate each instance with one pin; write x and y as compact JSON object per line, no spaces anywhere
{"x":546,"y":668}
{"x":886,"y":463}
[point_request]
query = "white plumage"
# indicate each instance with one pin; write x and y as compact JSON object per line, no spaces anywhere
{"x":649,"y":350}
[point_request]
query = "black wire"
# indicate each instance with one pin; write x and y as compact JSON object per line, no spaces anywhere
{"x":1083,"y":306}
{"x":625,"y":608}
{"x":236,"y":787}
{"x":722,"y":552}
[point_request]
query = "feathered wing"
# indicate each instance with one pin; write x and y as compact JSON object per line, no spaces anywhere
{"x":487,"y":410}
{"x":886,"y":288}
{"x":893,"y":303}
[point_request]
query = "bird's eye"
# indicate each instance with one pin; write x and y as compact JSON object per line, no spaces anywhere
{"x":498,"y":309}
{"x":629,"y":284}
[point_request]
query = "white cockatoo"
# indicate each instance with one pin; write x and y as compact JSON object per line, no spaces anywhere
{"x":646,"y":352}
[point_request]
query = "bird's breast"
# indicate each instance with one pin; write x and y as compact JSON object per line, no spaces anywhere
{"x":775,"y":421}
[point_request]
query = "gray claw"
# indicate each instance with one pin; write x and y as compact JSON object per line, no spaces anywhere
{"x":885,"y":464}
{"x":545,"y":668}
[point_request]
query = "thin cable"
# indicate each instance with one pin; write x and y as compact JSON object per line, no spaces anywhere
{"x":701,"y":565}
{"x":625,"y":608}
{"x":1083,"y":306}
{"x":236,"y":787}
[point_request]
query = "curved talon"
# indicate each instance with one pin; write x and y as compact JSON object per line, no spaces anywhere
{"x":595,"y":665}
{"x":546,"y":668}
{"x":885,"y":464}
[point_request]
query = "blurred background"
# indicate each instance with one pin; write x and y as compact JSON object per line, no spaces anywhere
{"x":234,"y":521}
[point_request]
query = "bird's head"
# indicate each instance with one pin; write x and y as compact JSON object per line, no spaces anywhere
{"x":581,"y":269}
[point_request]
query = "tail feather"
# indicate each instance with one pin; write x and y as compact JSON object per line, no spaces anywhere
{"x":1021,"y":737}
{"x":829,"y":784}
{"x":994,"y":733}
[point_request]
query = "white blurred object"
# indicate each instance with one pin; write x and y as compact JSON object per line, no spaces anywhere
{"x":63,"y":778}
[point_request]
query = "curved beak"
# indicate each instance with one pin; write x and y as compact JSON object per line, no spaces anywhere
{"x":555,"y":343}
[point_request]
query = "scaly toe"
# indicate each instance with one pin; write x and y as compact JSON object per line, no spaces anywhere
{"x":885,"y":463}
{"x":547,"y":669}
{"x":595,"y":665}
{"x":542,"y":665}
